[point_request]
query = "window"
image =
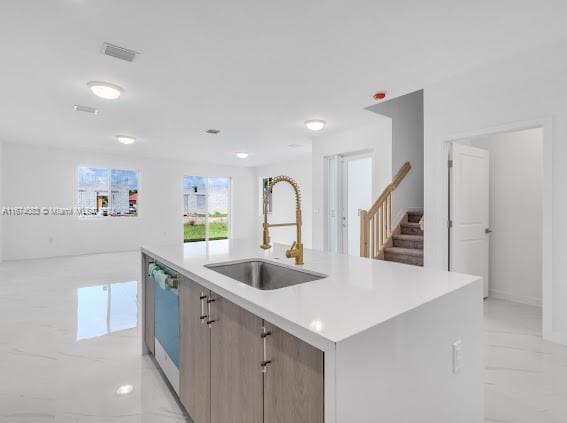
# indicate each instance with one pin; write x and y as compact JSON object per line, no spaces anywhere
{"x":263,"y":185}
{"x":206,"y":207}
{"x":108,"y":192}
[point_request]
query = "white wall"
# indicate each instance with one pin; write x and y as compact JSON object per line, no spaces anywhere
{"x":283,"y":198}
{"x":375,"y":136}
{"x":36,"y":176}
{"x":516,"y":173}
{"x":406,"y":113}
{"x":1,"y":201}
{"x":519,"y":89}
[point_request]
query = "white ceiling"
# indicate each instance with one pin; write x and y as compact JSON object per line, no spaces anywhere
{"x":255,"y":69}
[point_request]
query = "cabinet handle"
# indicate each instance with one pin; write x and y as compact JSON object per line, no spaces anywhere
{"x":203,"y":316}
{"x":209,"y":301}
{"x":264,"y":363}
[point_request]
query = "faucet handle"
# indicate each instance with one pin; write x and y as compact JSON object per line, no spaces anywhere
{"x":292,"y":250}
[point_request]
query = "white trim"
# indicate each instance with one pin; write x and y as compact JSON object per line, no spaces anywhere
{"x":546,"y":123}
{"x":341,"y":158}
{"x":507,"y":296}
{"x":342,"y":195}
{"x":557,"y":337}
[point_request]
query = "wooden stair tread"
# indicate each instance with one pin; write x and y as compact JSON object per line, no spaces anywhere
{"x":404,"y":251}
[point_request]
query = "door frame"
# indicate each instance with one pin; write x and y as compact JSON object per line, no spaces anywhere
{"x":340,"y":157}
{"x":546,"y":124}
{"x":343,"y":193}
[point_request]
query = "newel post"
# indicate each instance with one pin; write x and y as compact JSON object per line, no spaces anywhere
{"x":364,"y":232}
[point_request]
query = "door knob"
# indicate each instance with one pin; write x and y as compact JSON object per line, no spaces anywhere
{"x":488,"y":231}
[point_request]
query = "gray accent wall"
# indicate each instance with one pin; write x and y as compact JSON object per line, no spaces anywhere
{"x":406,"y":113}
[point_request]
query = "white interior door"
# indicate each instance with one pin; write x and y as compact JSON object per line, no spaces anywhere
{"x":357,"y":195}
{"x":469,"y":209}
{"x":333,"y":205}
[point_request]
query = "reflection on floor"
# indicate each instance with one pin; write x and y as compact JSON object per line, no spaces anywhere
{"x":70,"y":350}
{"x":70,"y":344}
{"x":525,"y":377}
{"x":103,"y":309}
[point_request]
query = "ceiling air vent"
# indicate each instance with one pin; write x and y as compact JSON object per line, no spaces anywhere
{"x":85,"y":109}
{"x":119,"y":52}
{"x":213,"y":131}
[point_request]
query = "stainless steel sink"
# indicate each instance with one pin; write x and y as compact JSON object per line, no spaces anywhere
{"x":264,"y":275}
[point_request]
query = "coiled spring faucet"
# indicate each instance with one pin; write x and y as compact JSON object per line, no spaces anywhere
{"x":296,"y":250}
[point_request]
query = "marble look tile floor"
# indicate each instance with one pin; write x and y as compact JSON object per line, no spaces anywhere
{"x":70,"y":338}
{"x":525,"y":376}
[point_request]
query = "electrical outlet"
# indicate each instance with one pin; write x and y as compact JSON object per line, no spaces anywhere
{"x":457,"y":356}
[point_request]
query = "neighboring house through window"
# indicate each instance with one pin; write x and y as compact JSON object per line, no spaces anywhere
{"x":264,"y":181}
{"x":108,"y":192}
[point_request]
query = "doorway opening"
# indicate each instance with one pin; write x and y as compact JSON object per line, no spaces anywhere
{"x":496,"y":224}
{"x":206,"y":208}
{"x":349,"y":187}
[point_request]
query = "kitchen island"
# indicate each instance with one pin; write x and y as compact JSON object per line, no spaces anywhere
{"x":369,"y":341}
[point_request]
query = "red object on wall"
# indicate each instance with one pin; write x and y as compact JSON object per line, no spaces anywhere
{"x":380,"y":95}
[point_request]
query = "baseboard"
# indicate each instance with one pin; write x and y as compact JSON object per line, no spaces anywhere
{"x":557,"y":337}
{"x":501,"y":295}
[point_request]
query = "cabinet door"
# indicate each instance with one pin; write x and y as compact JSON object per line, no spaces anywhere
{"x":294,"y":381}
{"x":195,"y":352}
{"x":149,"y":316}
{"x":236,"y":356}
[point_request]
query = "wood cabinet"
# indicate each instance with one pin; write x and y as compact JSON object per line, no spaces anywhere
{"x":293,"y":381}
{"x":236,"y":356}
{"x":222,"y":349}
{"x":195,"y":351}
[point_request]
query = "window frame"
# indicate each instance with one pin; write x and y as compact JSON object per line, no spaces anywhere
{"x":109,"y":192}
{"x":206,"y":192}
{"x":261,"y":189}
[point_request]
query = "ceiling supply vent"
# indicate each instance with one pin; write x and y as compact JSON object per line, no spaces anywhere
{"x":85,"y":109}
{"x":213,"y":131}
{"x":119,"y":52}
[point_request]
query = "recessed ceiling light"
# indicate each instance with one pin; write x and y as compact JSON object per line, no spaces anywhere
{"x":315,"y":124}
{"x":126,"y":139}
{"x":241,"y":155}
{"x":105,"y":90}
{"x":124,"y":390}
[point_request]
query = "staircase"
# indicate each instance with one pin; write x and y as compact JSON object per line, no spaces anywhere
{"x":381,"y":241}
{"x":407,"y":246}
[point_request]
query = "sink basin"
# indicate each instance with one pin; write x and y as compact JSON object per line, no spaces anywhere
{"x":265,"y":275}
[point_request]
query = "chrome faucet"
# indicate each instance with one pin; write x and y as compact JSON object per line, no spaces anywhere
{"x":296,"y":249}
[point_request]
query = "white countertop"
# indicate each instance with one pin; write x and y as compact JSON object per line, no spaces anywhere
{"x":358,"y":293}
